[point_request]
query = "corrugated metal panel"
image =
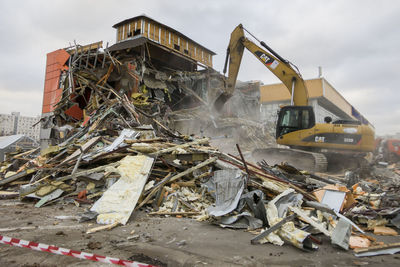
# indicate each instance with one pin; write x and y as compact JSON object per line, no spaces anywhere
{"x":6,"y":141}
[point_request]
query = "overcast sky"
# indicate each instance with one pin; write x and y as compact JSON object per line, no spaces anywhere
{"x":356,"y":42}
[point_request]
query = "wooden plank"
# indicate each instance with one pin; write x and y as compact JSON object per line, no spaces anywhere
{"x":87,"y":172}
{"x":170,"y":39}
{"x":139,"y":26}
{"x":310,"y":221}
{"x":91,"y":46}
{"x":376,"y":248}
{"x":128,"y":30}
{"x":183,"y":45}
{"x":157,"y":33}
{"x":151,"y":31}
{"x":103,"y":227}
{"x":273,"y":228}
{"x":383,"y":230}
{"x":122,"y":32}
{"x":133,"y":141}
{"x":125,"y":32}
{"x":171,"y":149}
{"x":119,"y":30}
{"x":174,"y":213}
{"x":198,"y":53}
{"x":132,"y":28}
{"x":191,"y":50}
{"x":8,"y":194}
{"x":146,"y":28}
{"x":174,"y":39}
{"x":85,"y":147}
{"x":201,"y":56}
{"x":16,"y":176}
{"x":206,"y":58}
{"x":162,"y":36}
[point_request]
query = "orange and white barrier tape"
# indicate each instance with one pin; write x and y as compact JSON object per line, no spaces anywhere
{"x":68,"y":252}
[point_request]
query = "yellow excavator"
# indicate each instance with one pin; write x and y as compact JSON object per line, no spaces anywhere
{"x":313,"y":146}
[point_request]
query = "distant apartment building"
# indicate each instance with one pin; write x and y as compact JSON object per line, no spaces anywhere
{"x":14,"y":123}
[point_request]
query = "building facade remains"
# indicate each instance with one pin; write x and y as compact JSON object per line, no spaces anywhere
{"x":14,"y":123}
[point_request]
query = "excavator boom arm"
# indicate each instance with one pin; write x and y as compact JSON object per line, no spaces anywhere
{"x":276,"y":64}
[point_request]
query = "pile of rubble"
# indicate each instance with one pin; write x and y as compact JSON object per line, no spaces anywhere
{"x":116,"y":152}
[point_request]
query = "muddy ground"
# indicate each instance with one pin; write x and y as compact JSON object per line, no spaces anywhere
{"x":163,"y":241}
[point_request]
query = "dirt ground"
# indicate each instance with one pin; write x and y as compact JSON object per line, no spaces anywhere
{"x":160,"y":241}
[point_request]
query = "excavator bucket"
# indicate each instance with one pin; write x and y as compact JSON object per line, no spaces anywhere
{"x":220,"y":101}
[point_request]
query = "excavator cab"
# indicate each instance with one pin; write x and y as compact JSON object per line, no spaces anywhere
{"x":294,"y":118}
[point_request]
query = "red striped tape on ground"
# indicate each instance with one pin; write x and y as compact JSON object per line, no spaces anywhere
{"x":68,"y":252}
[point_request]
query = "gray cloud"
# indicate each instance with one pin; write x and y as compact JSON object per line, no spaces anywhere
{"x":355,"y":42}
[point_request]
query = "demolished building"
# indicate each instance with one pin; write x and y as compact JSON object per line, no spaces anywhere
{"x":111,"y":144}
{"x":152,"y":63}
{"x":167,"y":74}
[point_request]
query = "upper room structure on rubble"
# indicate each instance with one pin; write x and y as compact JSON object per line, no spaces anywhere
{"x":165,"y":44}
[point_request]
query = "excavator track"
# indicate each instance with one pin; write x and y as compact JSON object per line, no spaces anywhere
{"x":300,"y":159}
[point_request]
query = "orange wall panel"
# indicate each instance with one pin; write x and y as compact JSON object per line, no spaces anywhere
{"x":52,"y":93}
